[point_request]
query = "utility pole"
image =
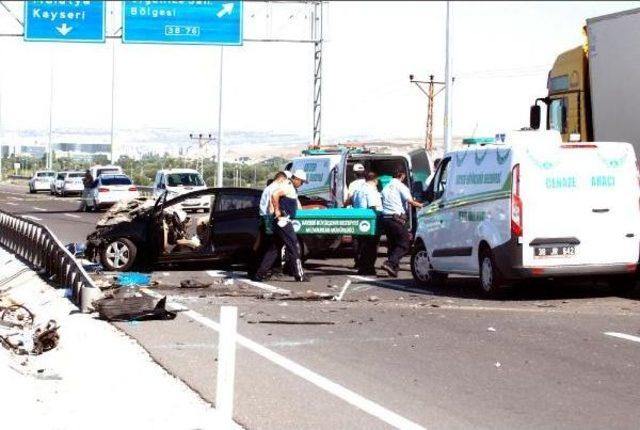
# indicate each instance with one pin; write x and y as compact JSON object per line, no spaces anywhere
{"x":317,"y":36}
{"x":448,"y":85}
{"x":430,"y":92}
{"x":202,"y":142}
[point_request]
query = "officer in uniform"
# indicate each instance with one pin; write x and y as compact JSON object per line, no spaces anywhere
{"x":395,"y":198}
{"x":285,"y":204}
{"x":368,"y":197}
{"x":266,"y":222}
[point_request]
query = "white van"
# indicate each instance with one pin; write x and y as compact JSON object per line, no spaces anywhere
{"x":533,"y":207}
{"x":181,"y":181}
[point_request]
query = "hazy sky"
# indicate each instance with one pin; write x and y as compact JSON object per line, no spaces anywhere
{"x":501,"y":55}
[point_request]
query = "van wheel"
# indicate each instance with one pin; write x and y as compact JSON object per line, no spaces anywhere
{"x":423,"y":276}
{"x":491,"y":282}
{"x":118,"y":255}
{"x":623,"y":285}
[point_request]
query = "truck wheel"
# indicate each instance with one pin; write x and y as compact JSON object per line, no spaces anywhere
{"x":423,"y":276}
{"x":118,"y":255}
{"x":491,"y":282}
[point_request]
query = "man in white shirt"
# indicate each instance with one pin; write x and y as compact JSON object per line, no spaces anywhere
{"x":359,"y":172}
{"x":285,"y":202}
{"x":367,"y":197}
{"x":395,"y":198}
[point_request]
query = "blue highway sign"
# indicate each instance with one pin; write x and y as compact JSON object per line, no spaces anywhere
{"x":189,"y":22}
{"x":64,"y":21}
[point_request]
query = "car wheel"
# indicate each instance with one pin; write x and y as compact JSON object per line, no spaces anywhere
{"x":118,"y":255}
{"x":423,"y":276}
{"x":491,"y":281}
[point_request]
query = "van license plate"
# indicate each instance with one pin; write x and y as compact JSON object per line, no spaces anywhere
{"x":554,"y":251}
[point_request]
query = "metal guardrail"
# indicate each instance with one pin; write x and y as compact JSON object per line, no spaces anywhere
{"x":42,"y":250}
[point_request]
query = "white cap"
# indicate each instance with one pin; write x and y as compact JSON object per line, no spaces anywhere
{"x":358,"y":167}
{"x":287,"y":173}
{"x":300,"y":174}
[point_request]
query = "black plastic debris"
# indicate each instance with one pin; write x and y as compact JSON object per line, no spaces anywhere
{"x":128,"y":304}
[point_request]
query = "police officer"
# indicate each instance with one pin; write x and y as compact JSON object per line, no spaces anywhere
{"x":359,"y":172}
{"x":266,"y":223}
{"x":395,"y":197}
{"x":285,"y":204}
{"x":368,"y":197}
{"x":87,"y":182}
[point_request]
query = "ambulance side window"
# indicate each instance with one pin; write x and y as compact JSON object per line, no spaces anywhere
{"x":441,"y":179}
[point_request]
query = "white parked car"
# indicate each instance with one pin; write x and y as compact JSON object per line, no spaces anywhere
{"x":533,"y":207}
{"x":110,"y":189}
{"x":66,"y":183}
{"x":41,"y":181}
{"x":180,"y":181}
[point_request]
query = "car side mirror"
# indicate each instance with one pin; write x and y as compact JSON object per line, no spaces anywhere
{"x":534,"y":117}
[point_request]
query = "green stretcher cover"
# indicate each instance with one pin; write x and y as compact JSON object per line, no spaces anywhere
{"x":338,"y":221}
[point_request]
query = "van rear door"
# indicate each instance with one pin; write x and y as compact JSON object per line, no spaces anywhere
{"x":580,"y":205}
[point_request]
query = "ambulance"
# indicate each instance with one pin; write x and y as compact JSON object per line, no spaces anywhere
{"x":531,"y":206}
{"x":329,"y":172}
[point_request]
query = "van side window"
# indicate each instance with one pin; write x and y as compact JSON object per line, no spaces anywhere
{"x":229,"y":202}
{"x":441,"y":179}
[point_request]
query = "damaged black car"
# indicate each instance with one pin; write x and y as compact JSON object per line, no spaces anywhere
{"x":147,"y":231}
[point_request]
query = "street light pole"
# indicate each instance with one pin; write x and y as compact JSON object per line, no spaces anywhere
{"x":219,"y":181}
{"x":448,"y":85}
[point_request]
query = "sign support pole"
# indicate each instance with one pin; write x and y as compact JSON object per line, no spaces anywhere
{"x":113,"y":83}
{"x":219,"y":179}
{"x":50,"y":144}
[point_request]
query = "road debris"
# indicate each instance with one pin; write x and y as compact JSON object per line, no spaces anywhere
{"x":292,"y":322}
{"x":125,"y":304}
{"x":190,"y":283}
{"x":498,"y":365}
{"x":19,"y":335}
{"x":373,"y":298}
{"x":491,"y":329}
{"x":130,"y":279}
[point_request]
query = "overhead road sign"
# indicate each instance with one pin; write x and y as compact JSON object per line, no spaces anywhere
{"x":182,"y":22}
{"x":64,"y":21}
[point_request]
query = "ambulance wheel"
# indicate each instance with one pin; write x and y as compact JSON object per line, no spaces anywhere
{"x":423,"y":276}
{"x":491,"y":282}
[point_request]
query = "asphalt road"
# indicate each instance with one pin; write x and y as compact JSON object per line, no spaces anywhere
{"x":389,"y":355}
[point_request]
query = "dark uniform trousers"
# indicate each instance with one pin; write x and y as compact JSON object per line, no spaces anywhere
{"x":398,"y":240}
{"x":282,"y":236}
{"x":367,"y":253}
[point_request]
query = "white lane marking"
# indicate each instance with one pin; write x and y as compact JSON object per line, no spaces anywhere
{"x":355,"y":399}
{"x":34,"y":218}
{"x":72,"y":215}
{"x":623,"y":336}
{"x":11,"y":204}
{"x":261,"y":285}
{"x":39,"y":209}
{"x":389,"y":284}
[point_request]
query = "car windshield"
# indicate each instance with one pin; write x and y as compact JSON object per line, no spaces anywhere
{"x":45,"y":174}
{"x":184,"y":180}
{"x":115,"y":180}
